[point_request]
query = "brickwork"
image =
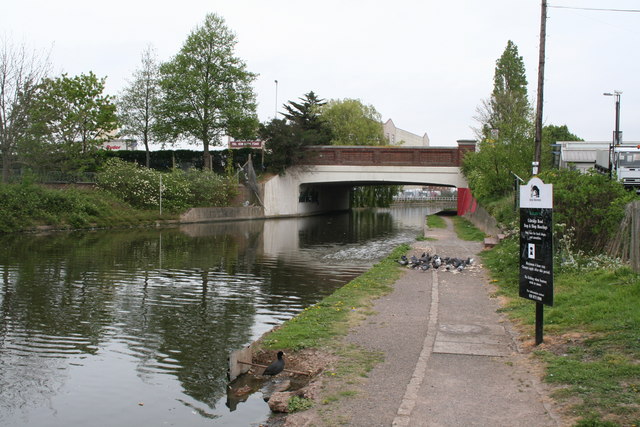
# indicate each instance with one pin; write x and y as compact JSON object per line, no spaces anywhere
{"x":388,"y":156}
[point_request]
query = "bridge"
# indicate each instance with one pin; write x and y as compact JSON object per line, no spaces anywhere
{"x":323,"y":181}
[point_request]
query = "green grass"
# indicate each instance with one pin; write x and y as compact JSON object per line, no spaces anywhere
{"x":466,"y":230}
{"x":27,"y":206}
{"x":297,"y":404}
{"x":331,"y":317}
{"x":436,"y":221}
{"x":593,"y":335}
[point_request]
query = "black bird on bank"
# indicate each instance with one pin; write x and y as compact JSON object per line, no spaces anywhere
{"x":276,"y":366}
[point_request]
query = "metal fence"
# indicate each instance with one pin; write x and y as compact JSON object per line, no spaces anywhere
{"x":411,"y":198}
{"x":626,"y":243}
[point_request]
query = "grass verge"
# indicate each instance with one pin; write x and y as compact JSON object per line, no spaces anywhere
{"x":466,"y":230}
{"x":333,"y":315}
{"x":436,"y":221}
{"x":592,"y":336}
{"x":24,"y":207}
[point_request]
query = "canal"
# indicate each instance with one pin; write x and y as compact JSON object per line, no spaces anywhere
{"x":133,"y":327}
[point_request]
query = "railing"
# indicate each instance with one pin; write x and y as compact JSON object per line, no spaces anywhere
{"x":408,"y":198}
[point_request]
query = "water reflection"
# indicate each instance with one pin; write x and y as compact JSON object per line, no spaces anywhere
{"x":136,"y":325}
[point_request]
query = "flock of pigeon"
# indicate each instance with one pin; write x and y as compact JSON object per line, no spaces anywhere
{"x":426,"y":262}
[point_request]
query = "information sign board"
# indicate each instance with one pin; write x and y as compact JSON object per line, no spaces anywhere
{"x":245,"y":144}
{"x":536,"y":241}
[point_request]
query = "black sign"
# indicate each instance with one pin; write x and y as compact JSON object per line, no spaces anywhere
{"x":536,"y":241}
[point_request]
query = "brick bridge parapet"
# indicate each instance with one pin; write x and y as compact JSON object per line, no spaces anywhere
{"x":360,"y":155}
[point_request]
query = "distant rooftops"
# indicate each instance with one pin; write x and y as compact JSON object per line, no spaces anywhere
{"x":397,"y":136}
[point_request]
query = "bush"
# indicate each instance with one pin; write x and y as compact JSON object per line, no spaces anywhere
{"x":24,"y":206}
{"x":590,"y":205}
{"x":140,"y":186}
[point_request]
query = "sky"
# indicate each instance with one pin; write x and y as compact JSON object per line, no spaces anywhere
{"x":425,"y":64}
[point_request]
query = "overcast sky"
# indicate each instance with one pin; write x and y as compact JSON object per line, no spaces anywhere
{"x":425,"y":64}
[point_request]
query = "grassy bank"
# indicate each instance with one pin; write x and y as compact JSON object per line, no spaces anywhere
{"x":317,"y":325}
{"x":25,"y":207}
{"x":592,"y":334}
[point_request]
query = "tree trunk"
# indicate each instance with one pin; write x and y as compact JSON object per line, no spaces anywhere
{"x":207,"y":157}
{"x":6,"y":167}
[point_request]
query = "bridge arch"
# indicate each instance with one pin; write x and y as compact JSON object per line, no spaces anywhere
{"x":323,"y":183}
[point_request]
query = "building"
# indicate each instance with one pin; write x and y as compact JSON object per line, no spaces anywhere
{"x":580,"y":155}
{"x":397,"y":136}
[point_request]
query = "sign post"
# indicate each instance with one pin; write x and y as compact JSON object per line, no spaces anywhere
{"x":536,"y":247}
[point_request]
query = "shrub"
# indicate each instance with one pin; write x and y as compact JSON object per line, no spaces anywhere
{"x":590,"y":205}
{"x":140,"y":186}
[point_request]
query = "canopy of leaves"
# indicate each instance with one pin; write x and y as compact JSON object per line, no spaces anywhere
{"x":353,"y":123}
{"x":20,"y":75}
{"x":506,"y":131}
{"x":301,"y":127}
{"x":207,"y":89}
{"x":138,"y":102}
{"x":70,"y":118}
{"x":284,"y":144}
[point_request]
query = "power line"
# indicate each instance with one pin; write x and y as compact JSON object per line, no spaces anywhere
{"x":595,"y":9}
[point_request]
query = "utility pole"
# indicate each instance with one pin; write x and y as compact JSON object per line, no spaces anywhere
{"x":538,"y":137}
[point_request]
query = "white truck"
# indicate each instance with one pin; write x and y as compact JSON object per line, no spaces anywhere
{"x":624,"y":160}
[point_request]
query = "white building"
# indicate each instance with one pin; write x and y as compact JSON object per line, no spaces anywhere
{"x":580,"y":155}
{"x":397,"y":136}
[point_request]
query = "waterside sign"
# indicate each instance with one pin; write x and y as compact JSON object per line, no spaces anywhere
{"x":246,"y":144}
{"x":536,"y":241}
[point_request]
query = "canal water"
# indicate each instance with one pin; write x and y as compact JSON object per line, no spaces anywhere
{"x":133,"y":327}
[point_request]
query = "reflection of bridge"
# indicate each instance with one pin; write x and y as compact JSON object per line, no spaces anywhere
{"x":324,"y":181}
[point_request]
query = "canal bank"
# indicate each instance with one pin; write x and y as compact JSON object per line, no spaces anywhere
{"x":449,"y":357}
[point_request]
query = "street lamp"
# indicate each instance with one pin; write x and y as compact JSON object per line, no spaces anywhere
{"x":276,"y":115}
{"x":616,"y":132}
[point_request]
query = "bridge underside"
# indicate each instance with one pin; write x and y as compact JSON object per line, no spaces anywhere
{"x":307,"y":190}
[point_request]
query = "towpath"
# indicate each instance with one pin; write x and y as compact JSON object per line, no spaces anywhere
{"x":450,"y":358}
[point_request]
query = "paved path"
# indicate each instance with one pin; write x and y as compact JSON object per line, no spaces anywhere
{"x":450,"y":358}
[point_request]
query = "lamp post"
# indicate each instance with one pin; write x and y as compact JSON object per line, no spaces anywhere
{"x":616,"y":132}
{"x":276,"y":114}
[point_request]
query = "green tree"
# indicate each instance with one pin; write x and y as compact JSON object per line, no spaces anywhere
{"x":505,"y":133}
{"x":353,"y":123}
{"x":138,"y":102}
{"x":207,"y":90}
{"x":301,"y":127}
{"x":71,"y":118}
{"x":20,"y":74}
{"x":305,"y":114}
{"x":374,"y":196}
{"x":284,"y":145}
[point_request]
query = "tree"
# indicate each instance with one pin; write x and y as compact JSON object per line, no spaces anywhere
{"x":305,"y":114}
{"x":71,"y":118}
{"x":138,"y":103}
{"x":284,"y":144}
{"x":506,"y":131}
{"x":20,"y":75}
{"x":353,"y":123}
{"x":206,"y":89}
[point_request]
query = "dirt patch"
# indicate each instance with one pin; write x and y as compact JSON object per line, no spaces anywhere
{"x":310,"y":361}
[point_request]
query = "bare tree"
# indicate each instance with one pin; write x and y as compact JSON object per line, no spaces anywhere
{"x":20,"y":74}
{"x":138,"y":101}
